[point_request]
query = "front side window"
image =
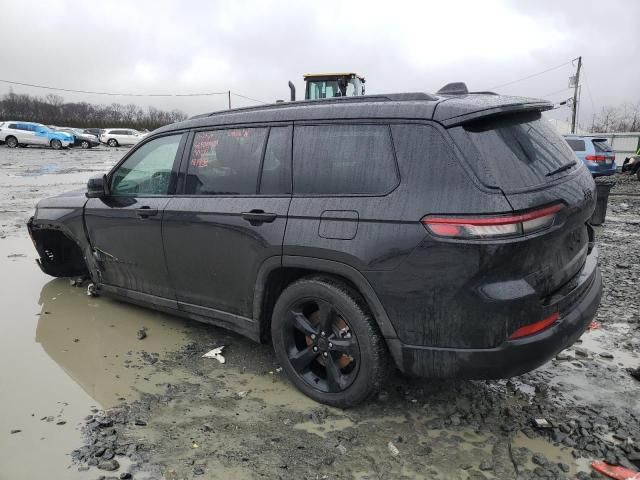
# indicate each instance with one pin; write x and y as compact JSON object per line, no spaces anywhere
{"x":148,"y":170}
{"x":343,"y":159}
{"x":225,"y":162}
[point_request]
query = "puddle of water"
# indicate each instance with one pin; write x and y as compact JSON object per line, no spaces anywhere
{"x":326,"y":427}
{"x":552,"y":452}
{"x":46,"y":373}
{"x":596,"y":342}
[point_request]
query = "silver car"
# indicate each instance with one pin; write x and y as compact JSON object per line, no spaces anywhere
{"x":114,"y":137}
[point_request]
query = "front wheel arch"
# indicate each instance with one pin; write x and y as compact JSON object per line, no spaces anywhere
{"x":60,"y":256}
{"x":11,"y":141}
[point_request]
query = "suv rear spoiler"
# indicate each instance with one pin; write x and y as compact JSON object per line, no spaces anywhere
{"x":455,"y":111}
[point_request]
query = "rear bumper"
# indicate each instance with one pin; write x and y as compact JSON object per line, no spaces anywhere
{"x":601,"y":170}
{"x":513,"y":357}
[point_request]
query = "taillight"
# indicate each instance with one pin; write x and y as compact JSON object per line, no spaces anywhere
{"x":536,"y":327}
{"x":596,"y":158}
{"x":491,"y":226}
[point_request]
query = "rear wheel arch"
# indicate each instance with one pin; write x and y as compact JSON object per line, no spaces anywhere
{"x":275,"y":276}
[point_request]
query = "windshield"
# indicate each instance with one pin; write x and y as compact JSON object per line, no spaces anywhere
{"x":514,"y":151}
{"x":332,"y":88}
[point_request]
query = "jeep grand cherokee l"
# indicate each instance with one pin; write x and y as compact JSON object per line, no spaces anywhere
{"x":444,"y":234}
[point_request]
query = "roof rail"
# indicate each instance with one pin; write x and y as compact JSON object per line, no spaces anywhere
{"x":398,"y":97}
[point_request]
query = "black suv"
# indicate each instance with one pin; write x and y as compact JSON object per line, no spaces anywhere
{"x":446,"y":234}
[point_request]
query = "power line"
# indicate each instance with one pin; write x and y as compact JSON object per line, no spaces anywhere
{"x":114,"y":94}
{"x":556,"y":92}
{"x":593,"y":105}
{"x":248,"y":98}
{"x":532,"y":76}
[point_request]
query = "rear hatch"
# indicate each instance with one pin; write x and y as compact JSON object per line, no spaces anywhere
{"x":604,"y":156}
{"x":521,"y":154}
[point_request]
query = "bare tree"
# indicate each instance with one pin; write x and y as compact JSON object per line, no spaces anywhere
{"x":53,"y":110}
{"x":623,"y":118}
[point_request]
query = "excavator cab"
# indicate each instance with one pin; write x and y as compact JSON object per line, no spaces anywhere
{"x":329,"y":85}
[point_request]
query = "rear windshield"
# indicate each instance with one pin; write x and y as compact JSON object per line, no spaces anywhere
{"x":601,"y":145}
{"x":514,"y":152}
{"x":576,"y":145}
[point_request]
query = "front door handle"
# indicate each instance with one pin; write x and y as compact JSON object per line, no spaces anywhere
{"x":146,"y":212}
{"x":256,"y":217}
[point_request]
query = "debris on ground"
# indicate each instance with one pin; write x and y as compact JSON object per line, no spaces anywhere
{"x":142,"y":333}
{"x":15,"y":431}
{"x":393,"y":449}
{"x":92,"y":291}
{"x":594,"y":325}
{"x":541,"y":423}
{"x":216,"y":353}
{"x":615,"y":472}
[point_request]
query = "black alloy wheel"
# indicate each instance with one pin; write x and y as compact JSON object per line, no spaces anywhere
{"x":321,"y":346}
{"x":328,"y":343}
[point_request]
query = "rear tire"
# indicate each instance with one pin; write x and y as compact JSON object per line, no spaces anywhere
{"x":56,"y":144}
{"x":85,"y":144}
{"x":328,"y":343}
{"x":112,"y":142}
{"x":12,"y":142}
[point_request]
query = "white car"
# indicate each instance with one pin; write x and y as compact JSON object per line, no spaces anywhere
{"x":15,"y":133}
{"x":115,"y":137}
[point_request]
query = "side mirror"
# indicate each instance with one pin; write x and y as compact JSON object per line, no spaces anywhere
{"x":97,"y":187}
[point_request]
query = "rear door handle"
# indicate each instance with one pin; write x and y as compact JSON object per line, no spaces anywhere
{"x":255,"y":217}
{"x":146,"y":212}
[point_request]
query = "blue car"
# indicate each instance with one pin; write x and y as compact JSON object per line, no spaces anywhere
{"x":595,"y":153}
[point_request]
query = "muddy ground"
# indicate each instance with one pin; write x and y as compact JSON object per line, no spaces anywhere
{"x":81,"y":393}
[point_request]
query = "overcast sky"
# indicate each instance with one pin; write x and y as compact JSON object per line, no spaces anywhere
{"x":254,"y":48}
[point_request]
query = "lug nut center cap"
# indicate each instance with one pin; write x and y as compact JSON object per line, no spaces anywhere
{"x":323,"y":344}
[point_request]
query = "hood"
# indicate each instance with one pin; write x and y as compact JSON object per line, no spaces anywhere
{"x":71,"y":199}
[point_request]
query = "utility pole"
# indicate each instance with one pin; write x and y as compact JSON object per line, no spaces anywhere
{"x":574,"y":105}
{"x":229,"y":98}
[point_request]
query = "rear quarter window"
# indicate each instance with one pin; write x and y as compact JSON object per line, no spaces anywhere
{"x":343,"y":160}
{"x":576,"y":145}
{"x":514,"y":152}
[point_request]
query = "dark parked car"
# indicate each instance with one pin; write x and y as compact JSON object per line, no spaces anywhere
{"x":82,"y":139}
{"x":445,"y":234}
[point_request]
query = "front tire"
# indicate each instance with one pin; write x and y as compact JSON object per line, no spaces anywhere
{"x":85,"y":144}
{"x":112,"y":142}
{"x":12,"y":142}
{"x":328,"y":343}
{"x":56,"y":144}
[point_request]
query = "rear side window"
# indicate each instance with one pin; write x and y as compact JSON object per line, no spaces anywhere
{"x":514,"y":152}
{"x":225,"y":162}
{"x":343,"y":159}
{"x":601,"y":145}
{"x":576,"y":145}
